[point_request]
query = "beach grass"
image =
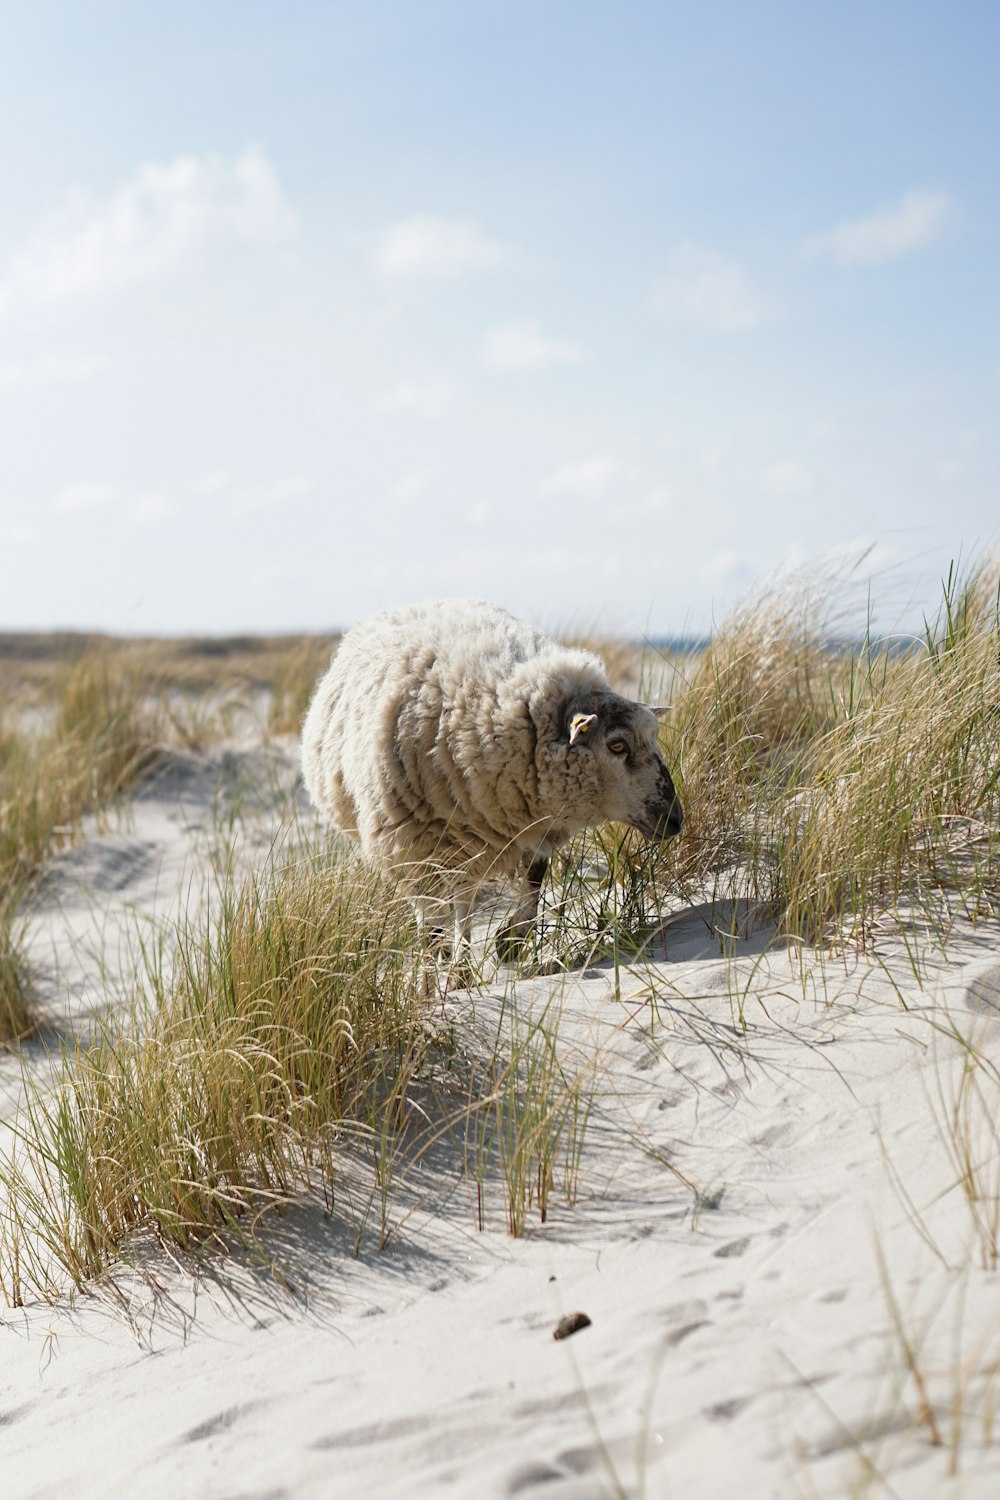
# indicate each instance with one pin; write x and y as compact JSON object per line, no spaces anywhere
{"x":16,"y":1020}
{"x":526,"y":1114}
{"x":294,"y":678}
{"x":97,"y":738}
{"x":275,"y":1044}
{"x":256,"y":1038}
{"x":837,"y":791}
{"x":829,"y":791}
{"x":33,"y":665}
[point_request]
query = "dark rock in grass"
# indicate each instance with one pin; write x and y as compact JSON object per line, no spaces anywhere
{"x":570,"y":1324}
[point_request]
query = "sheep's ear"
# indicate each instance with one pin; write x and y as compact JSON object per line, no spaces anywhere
{"x":579,"y":725}
{"x":662,"y":710}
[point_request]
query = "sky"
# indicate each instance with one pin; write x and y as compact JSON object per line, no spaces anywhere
{"x":608,"y":312}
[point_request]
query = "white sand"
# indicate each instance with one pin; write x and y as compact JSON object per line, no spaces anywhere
{"x":741,"y":1340}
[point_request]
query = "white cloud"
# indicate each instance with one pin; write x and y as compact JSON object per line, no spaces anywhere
{"x":48,"y":369}
{"x":785,"y":477}
{"x":727,"y":570}
{"x":17,"y":536}
{"x":273,"y":575}
{"x":887,"y":233}
{"x":150,"y":510}
{"x":427,"y":246}
{"x":703,"y":288}
{"x":153,"y":221}
{"x":411,"y":487}
{"x":517,"y":347}
{"x":653,"y":503}
{"x":288,"y":489}
{"x":77,"y":497}
{"x":212,"y":483}
{"x":147,"y":509}
{"x":428,"y":399}
{"x":588,"y":477}
{"x":249,"y":501}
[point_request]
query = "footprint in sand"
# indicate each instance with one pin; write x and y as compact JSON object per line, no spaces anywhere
{"x":732,"y":1250}
{"x":983,"y":993}
{"x":572,"y":1462}
{"x":373,"y":1432}
{"x":219,"y":1423}
{"x":725,"y":1411}
{"x":14,"y":1414}
{"x":103,"y":865}
{"x":532,"y":1477}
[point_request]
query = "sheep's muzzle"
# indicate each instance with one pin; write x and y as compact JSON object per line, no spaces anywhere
{"x":665,"y":823}
{"x":663,"y":815}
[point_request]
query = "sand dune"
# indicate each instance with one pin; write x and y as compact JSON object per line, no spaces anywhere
{"x":750,"y":1317}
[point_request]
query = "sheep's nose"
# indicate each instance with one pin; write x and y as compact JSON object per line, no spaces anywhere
{"x":669,"y":817}
{"x":672,"y":824}
{"x":664,"y":819}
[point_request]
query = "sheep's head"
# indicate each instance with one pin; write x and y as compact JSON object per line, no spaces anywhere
{"x":612,"y":742}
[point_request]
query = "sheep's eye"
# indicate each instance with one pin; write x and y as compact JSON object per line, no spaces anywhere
{"x":617,"y":747}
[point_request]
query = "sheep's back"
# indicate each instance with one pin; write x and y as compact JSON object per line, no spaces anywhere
{"x":409,"y":745}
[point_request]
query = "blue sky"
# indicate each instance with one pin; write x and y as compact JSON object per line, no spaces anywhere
{"x":603,"y":311}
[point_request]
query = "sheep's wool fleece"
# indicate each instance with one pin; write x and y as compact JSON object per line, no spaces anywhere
{"x":437,"y":739}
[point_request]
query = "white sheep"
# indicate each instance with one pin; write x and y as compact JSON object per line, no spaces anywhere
{"x":456,"y":744}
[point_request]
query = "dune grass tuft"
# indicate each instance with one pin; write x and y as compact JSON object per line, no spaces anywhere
{"x":289,"y":1025}
{"x":831,"y":787}
{"x":282,"y":1043}
{"x":294,"y":681}
{"x":528,"y":1105}
{"x":16,"y":1019}
{"x":100,"y":739}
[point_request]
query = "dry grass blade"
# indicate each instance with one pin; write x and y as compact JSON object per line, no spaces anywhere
{"x":901,"y":796}
{"x":101,"y":739}
{"x":293,"y":1023}
{"x":294,"y":680}
{"x":15,"y":1011}
{"x":829,"y":788}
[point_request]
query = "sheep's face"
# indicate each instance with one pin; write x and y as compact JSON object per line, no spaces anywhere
{"x":628,"y":776}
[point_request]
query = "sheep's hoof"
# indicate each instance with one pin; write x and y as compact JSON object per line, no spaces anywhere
{"x":461,"y":976}
{"x":509,"y":944}
{"x":512,"y":948}
{"x":443,"y":977}
{"x":547,"y":969}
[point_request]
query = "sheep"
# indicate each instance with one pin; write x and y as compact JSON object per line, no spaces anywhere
{"x":455,"y":743}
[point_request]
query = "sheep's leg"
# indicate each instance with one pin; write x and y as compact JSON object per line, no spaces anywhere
{"x":434,"y":944}
{"x":444,"y":925}
{"x":461,"y":913}
{"x":461,"y":970}
{"x":514,"y":934}
{"x":445,"y":929}
{"x":431,"y":929}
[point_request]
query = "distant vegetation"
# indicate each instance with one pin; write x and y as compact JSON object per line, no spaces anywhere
{"x":31,"y":663}
{"x":82,"y":717}
{"x":96,"y":739}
